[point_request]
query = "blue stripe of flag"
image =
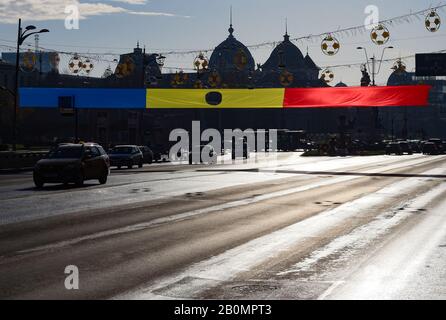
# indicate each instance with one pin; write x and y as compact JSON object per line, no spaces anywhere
{"x":84,"y":98}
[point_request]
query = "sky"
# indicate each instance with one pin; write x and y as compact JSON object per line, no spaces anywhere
{"x":115,"y":26}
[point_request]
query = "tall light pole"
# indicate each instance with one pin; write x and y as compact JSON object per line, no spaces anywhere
{"x":21,"y":37}
{"x":373,"y":60}
{"x":374,"y":72}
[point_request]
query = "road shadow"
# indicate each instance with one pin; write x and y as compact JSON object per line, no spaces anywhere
{"x":334,"y":173}
{"x":59,"y":187}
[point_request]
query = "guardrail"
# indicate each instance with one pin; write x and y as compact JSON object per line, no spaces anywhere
{"x":20,"y":160}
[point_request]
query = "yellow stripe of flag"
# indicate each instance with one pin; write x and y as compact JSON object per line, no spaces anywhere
{"x":231,"y":98}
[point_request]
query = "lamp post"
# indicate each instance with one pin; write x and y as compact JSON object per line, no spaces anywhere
{"x":373,"y":60}
{"x":22,"y":35}
{"x":374,"y":73}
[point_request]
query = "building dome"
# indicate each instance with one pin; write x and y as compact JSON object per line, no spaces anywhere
{"x":340,"y":84}
{"x":231,"y":55}
{"x":400,"y":76}
{"x":286,"y":55}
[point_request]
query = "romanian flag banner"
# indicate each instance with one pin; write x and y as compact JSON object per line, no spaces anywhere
{"x":346,"y":97}
{"x":357,"y":97}
{"x":225,"y":98}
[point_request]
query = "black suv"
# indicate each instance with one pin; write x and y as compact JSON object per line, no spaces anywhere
{"x":147,"y":154}
{"x":73,"y":163}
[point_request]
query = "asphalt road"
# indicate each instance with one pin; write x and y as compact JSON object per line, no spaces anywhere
{"x":291,"y":228}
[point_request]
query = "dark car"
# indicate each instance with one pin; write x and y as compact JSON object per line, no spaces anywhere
{"x":73,"y":163}
{"x":160,"y":153}
{"x":147,"y":154}
{"x":438,"y":144}
{"x":430,"y":148}
{"x":393,"y":148}
{"x":416,"y":146}
{"x":405,"y":147}
{"x":126,"y":155}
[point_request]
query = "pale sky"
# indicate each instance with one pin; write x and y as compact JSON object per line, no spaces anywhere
{"x":114,"y":26}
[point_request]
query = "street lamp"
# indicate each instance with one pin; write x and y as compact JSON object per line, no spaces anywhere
{"x":373,"y":59}
{"x":22,"y":35}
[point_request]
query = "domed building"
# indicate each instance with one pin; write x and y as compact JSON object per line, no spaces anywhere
{"x":341,"y":85}
{"x":231,"y":64}
{"x":287,"y":67}
{"x":400,"y":76}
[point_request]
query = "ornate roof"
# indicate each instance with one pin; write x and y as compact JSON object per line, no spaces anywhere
{"x":341,"y":84}
{"x":231,"y":55}
{"x":286,"y":55}
{"x":400,"y":78}
{"x":310,"y":63}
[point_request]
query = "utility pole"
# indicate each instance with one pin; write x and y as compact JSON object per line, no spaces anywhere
{"x":16,"y":89}
{"x":21,"y":37}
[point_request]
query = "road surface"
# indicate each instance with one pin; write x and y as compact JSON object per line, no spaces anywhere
{"x":291,"y":228}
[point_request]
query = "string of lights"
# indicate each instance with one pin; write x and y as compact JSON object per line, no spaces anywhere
{"x":350,"y":31}
{"x":111,"y":58}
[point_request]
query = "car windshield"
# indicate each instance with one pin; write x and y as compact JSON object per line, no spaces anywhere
{"x":121,"y":150}
{"x":66,"y":152}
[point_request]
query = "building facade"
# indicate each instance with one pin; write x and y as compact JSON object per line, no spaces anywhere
{"x":231,"y":65}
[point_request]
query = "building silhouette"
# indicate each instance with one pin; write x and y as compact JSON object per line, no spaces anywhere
{"x":231,"y":65}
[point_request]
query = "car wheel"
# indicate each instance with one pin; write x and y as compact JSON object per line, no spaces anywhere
{"x":119,"y":167}
{"x":103,"y":179}
{"x":38,"y":182}
{"x":140,"y":164}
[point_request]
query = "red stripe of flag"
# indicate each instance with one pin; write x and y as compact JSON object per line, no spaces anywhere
{"x":395,"y":96}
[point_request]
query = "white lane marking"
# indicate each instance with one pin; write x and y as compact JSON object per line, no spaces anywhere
{"x":245,"y":257}
{"x":207,"y":210}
